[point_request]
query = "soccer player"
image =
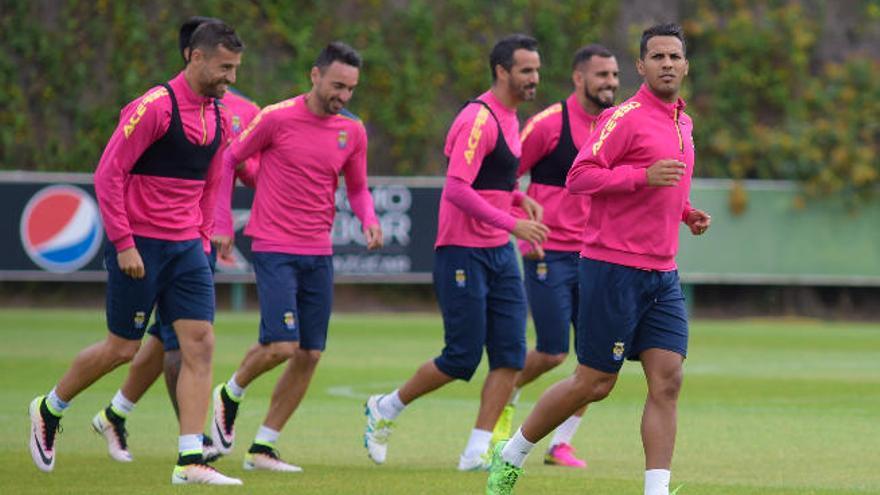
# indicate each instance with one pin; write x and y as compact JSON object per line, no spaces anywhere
{"x":550,"y":142}
{"x":638,"y":171}
{"x":156,"y":185}
{"x":476,"y":274}
{"x":305,"y":143}
{"x":147,"y":364}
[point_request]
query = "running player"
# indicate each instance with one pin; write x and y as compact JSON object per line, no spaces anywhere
{"x":637,"y":169}
{"x":305,"y":143}
{"x":476,"y":274}
{"x":162,"y":353}
{"x":156,"y":185}
{"x":550,"y":142}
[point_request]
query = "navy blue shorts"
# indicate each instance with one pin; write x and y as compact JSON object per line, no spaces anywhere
{"x":480,"y":292}
{"x":177,"y":282}
{"x":165,"y":333}
{"x":296,"y":295}
{"x":552,"y":289}
{"x":625,"y":311}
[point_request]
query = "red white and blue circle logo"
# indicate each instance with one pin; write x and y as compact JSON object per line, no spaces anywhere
{"x":61,"y":229}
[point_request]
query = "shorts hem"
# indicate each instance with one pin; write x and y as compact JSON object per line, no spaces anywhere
{"x":458,"y":374}
{"x":599,"y":367}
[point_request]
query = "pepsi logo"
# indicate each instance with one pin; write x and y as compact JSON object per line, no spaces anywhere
{"x":61,"y":228}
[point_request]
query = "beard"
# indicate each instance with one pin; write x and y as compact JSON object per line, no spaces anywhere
{"x":525,"y":92}
{"x":598,"y":101}
{"x":216,"y":88}
{"x":331,"y":106}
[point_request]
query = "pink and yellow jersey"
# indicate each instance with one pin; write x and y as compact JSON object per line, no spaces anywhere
{"x":241,"y":112}
{"x":483,"y":149}
{"x":631,"y":223}
{"x":301,"y":158}
{"x":169,"y":204}
{"x":550,"y":142}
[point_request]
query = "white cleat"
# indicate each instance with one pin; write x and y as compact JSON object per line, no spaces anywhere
{"x":114,"y":434}
{"x":377,"y":432}
{"x":268,"y":461}
{"x":223,"y":421}
{"x":200,"y":474}
{"x":42,"y":441}
{"x":475,"y":463}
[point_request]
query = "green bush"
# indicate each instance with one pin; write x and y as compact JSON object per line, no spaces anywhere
{"x":765,"y":106}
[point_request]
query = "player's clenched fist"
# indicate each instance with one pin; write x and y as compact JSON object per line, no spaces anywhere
{"x":665,"y":173}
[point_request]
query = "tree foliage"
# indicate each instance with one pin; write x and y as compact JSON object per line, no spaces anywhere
{"x":765,"y":105}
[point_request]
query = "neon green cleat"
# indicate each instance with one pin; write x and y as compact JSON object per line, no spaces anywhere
{"x":502,"y":475}
{"x":503,"y":425}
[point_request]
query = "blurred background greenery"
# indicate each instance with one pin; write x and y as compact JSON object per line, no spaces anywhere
{"x":779,"y":89}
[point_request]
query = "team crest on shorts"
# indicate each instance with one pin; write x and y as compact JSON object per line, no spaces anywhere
{"x":342,"y":139}
{"x":460,"y":278}
{"x":289,"y":320}
{"x":140,"y":318}
{"x":541,"y":271}
{"x":618,"y":351}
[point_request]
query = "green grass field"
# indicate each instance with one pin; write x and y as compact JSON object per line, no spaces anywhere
{"x":768,"y":407}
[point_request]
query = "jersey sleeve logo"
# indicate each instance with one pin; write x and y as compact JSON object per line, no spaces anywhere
{"x":476,"y":134}
{"x":530,"y":126}
{"x":612,"y":124}
{"x":142,"y":109}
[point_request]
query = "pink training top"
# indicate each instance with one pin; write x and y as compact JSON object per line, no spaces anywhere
{"x":564,"y":214}
{"x":631,"y":223}
{"x":302,"y":156}
{"x":242,"y":111}
{"x":165,"y":208}
{"x":469,"y":217}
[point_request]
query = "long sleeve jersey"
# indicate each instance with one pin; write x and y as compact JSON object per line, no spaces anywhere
{"x":301,"y":158}
{"x":161,"y":207}
{"x":631,"y":223}
{"x":477,"y":217}
{"x":565,"y":214}
{"x":241,"y":111}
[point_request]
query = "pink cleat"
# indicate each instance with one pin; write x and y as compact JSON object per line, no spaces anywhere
{"x":562,"y":454}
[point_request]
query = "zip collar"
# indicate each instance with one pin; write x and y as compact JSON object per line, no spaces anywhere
{"x":672,"y":109}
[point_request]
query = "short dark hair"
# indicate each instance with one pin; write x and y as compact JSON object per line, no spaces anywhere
{"x":669,"y":29}
{"x":187,"y":29}
{"x":502,"y":52}
{"x":208,"y":35}
{"x":338,"y":51}
{"x":585,"y":53}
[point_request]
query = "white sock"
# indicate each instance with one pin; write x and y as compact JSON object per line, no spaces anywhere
{"x":266,"y":436}
{"x":234,"y":389}
{"x":55,"y":404}
{"x":121,"y":405}
{"x":657,"y":482}
{"x":189,"y":444}
{"x":566,"y":431}
{"x":478,"y":443}
{"x":390,"y":405}
{"x":517,"y":449}
{"x":515,"y":397}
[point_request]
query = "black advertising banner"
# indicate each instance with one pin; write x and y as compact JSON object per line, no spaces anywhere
{"x":51,"y":230}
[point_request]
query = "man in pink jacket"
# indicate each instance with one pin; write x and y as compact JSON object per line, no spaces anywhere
{"x":476,"y":274}
{"x":550,"y":142}
{"x":637,"y":169}
{"x":305,"y":143}
{"x":156,"y":185}
{"x":161,"y":354}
